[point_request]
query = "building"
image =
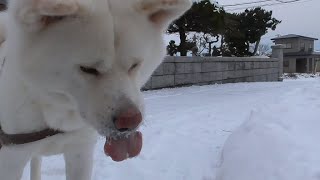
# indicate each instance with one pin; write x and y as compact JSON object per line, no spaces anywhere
{"x":299,"y":54}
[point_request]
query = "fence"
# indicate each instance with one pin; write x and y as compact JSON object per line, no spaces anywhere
{"x":186,"y":71}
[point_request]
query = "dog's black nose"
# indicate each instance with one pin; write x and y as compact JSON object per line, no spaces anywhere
{"x":127,"y":119}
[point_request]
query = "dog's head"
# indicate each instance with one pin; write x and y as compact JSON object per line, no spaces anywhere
{"x":86,"y":60}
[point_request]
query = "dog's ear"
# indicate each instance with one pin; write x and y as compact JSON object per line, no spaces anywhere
{"x":56,"y":7}
{"x":163,"y":12}
{"x":54,"y":10}
{"x":38,"y":14}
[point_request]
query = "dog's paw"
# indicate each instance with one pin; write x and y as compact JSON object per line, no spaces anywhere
{"x":162,"y":12}
{"x":57,"y":7}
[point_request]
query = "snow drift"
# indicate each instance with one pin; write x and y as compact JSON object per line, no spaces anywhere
{"x":279,"y":142}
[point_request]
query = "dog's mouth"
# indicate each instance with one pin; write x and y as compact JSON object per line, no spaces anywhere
{"x":124,"y":147}
{"x":123,"y":140}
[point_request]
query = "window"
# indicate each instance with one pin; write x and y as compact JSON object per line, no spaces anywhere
{"x":286,"y":63}
{"x":288,"y":45}
{"x":302,"y":46}
{"x":310,"y":47}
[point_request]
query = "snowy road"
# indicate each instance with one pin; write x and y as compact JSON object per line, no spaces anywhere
{"x":186,"y":128}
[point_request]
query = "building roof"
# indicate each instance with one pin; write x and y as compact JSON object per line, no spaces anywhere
{"x":289,"y":36}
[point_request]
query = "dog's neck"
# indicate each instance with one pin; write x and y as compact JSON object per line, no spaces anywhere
{"x":19,"y":110}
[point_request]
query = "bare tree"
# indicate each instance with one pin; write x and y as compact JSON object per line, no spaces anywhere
{"x":263,"y":50}
{"x":200,"y":44}
{"x":204,"y":43}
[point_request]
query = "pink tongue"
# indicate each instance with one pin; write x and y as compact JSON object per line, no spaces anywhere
{"x":124,"y":148}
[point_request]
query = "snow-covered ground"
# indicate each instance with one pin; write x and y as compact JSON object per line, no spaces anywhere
{"x":245,"y":131}
{"x":299,"y":75}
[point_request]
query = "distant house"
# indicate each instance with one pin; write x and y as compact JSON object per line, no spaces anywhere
{"x":299,"y":54}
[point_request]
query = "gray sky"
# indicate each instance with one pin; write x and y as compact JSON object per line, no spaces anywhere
{"x":297,"y":18}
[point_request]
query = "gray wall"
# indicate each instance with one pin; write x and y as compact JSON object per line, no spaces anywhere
{"x":186,"y":71}
{"x":296,"y":44}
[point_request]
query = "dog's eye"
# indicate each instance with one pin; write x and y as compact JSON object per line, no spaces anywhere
{"x":90,"y":70}
{"x":134,"y":67}
{"x":47,"y":20}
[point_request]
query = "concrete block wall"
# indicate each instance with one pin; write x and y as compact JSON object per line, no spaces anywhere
{"x":186,"y":71}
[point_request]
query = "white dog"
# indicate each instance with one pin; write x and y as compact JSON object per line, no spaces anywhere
{"x":77,"y":66}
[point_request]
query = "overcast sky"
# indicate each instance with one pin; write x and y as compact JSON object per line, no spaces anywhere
{"x":301,"y":18}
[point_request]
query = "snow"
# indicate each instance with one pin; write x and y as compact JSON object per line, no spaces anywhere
{"x":278,"y":142}
{"x":299,"y":75}
{"x":245,"y":131}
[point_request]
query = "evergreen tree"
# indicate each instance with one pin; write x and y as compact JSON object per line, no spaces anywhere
{"x":172,"y":48}
{"x":251,"y":26}
{"x":203,"y":16}
{"x":215,"y":51}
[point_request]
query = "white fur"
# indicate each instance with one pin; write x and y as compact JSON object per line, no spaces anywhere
{"x":42,"y":86}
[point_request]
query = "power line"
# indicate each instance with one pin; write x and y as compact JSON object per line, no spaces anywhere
{"x":248,"y":7}
{"x":270,"y":4}
{"x":287,"y":1}
{"x":239,"y":4}
{"x":261,"y":1}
